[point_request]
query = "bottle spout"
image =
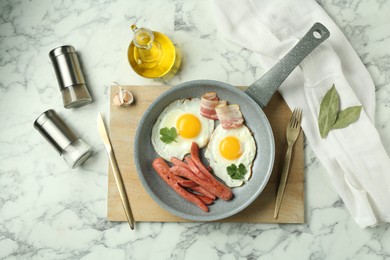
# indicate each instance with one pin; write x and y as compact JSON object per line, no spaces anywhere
{"x":143,"y":37}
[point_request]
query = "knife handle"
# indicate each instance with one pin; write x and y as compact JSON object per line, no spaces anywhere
{"x":121,"y":189}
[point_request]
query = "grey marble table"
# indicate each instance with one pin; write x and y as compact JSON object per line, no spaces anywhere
{"x":48,"y":211}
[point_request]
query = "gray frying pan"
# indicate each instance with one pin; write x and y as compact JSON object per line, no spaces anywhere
{"x":251,"y":102}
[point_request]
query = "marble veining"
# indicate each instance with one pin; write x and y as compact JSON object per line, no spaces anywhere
{"x":48,"y":211}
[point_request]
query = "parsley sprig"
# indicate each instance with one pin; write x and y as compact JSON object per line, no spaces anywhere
{"x":168,"y":135}
{"x":236,"y":173}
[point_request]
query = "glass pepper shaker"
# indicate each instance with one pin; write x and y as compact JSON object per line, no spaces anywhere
{"x":70,"y":77}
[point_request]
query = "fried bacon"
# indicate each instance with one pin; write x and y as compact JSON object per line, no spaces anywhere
{"x":208,"y":103}
{"x":229,"y":116}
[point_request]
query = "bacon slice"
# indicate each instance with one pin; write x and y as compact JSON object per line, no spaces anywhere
{"x":229,"y":116}
{"x":208,"y":103}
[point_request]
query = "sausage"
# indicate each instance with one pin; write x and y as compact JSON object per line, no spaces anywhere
{"x":212,"y":186}
{"x":187,"y":183}
{"x":195,"y":169}
{"x":179,"y":162}
{"x":197,"y":161}
{"x":205,"y":199}
{"x":203,"y":191}
{"x":226,"y":192}
{"x":163,"y":170}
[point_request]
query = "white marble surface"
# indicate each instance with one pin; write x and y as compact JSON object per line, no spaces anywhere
{"x":48,"y":211}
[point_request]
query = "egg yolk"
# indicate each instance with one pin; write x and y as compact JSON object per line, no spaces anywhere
{"x":188,"y":126}
{"x":230,"y":148}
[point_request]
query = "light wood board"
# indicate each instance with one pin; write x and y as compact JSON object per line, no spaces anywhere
{"x":122,"y":128}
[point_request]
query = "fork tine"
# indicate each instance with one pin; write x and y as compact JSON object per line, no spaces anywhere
{"x":296,"y":120}
{"x":296,"y":117}
{"x":300,"y":117}
{"x":292,"y":118}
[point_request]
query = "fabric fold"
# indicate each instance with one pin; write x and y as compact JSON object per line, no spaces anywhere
{"x":354,"y":157}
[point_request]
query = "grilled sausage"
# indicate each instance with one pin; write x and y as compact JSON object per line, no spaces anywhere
{"x":163,"y":170}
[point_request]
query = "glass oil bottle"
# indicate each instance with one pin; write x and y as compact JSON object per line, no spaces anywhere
{"x":152,"y":54}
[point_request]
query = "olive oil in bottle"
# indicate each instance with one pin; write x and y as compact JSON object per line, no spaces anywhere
{"x":152,"y":54}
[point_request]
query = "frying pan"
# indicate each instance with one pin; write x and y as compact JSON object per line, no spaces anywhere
{"x":251,"y":102}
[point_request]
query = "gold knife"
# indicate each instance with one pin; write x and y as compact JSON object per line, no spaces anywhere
{"x":118,"y":178}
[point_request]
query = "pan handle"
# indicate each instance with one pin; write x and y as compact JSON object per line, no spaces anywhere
{"x":263,"y":89}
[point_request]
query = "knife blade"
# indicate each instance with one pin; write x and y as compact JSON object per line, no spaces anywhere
{"x":114,"y":166}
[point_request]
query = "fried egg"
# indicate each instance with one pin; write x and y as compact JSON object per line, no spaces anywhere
{"x":184,"y":116}
{"x":231,"y":146}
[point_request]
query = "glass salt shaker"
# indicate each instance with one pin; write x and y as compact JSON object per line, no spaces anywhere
{"x":71,"y":148}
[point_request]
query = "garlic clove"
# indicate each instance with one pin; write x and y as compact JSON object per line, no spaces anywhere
{"x":123,"y":98}
{"x":128,"y":97}
{"x":116,"y":100}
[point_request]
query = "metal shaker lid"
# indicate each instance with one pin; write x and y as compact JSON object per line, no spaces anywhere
{"x":61,"y":50}
{"x":55,"y":131}
{"x":67,"y":66}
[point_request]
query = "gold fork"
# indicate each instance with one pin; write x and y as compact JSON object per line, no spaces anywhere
{"x":292,"y":133}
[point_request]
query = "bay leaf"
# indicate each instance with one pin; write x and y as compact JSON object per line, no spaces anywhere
{"x":347,"y":117}
{"x":328,"y":111}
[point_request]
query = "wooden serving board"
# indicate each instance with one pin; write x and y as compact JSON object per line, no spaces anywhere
{"x":123,"y":125}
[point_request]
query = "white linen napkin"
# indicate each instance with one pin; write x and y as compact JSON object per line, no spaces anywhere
{"x":354,"y":157}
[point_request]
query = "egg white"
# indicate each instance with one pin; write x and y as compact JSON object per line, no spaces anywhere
{"x":219,"y":164}
{"x":168,"y":118}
